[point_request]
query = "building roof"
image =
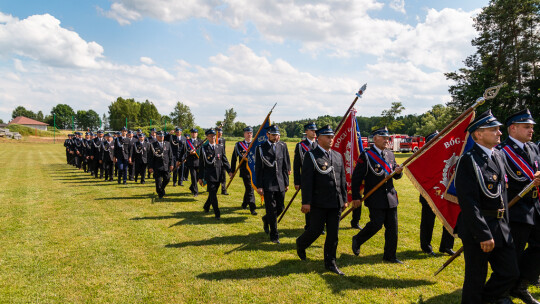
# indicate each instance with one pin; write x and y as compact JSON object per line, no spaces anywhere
{"x":21,"y":120}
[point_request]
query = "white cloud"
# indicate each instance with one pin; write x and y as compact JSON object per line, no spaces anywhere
{"x":41,"y":38}
{"x":147,"y":60}
{"x":398,"y":6}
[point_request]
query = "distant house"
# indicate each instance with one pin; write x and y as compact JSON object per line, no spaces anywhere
{"x":28,"y":122}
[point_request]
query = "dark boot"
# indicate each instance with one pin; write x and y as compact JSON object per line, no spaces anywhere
{"x":521,"y":292}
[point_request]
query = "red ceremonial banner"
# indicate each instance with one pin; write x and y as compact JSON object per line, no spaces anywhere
{"x":433,"y":170}
{"x":346,"y":144}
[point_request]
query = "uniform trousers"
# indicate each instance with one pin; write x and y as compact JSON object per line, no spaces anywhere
{"x":193,"y":173}
{"x":162,"y":179}
{"x":528,"y":259}
{"x":140,"y":169}
{"x":122,"y":169}
{"x":320,"y":217}
{"x":249,"y":196}
{"x":108,"y":167}
{"x":377,"y":218}
{"x":274,"y":205}
{"x":505,"y":273}
{"x":427,"y":222}
{"x":212,"y":188}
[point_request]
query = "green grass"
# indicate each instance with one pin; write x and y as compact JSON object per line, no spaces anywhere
{"x":69,"y":238}
{"x":26,"y":131}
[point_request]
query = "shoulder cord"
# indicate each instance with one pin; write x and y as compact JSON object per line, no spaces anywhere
{"x":480,"y":179}
{"x":206,"y":160}
{"x":155,"y":153}
{"x":173,"y":142}
{"x":371,"y":168}
{"x":510,"y":172}
{"x":331,"y":168}
{"x":265,"y":161}
{"x":302,"y":153}
{"x":138,"y":150}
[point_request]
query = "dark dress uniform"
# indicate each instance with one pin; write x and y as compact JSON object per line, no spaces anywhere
{"x":481,"y":192}
{"x":150,"y":139}
{"x":382,"y":203}
{"x":238,"y":153}
{"x":107,"y":157}
{"x":139,"y":158}
{"x":96,"y":153}
{"x":178,"y":145}
{"x":78,"y":148}
{"x":520,"y":158}
{"x":221,"y":140}
{"x":86,"y":151}
{"x":427,"y":222}
{"x":300,"y":151}
{"x":192,"y":162}
{"x":67,"y":144}
{"x":324,"y":188}
{"x":121,"y":152}
{"x":272,"y":167}
{"x":131,"y":166}
{"x":213,"y":162}
{"x":160,"y":158}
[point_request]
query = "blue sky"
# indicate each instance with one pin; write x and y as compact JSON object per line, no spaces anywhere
{"x":308,"y":56}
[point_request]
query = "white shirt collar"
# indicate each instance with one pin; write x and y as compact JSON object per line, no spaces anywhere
{"x":378,"y":150}
{"x":520,"y":144}
{"x":487,"y":150}
{"x":325,"y":151}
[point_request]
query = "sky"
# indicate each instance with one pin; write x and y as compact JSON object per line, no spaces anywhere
{"x":309,"y":57}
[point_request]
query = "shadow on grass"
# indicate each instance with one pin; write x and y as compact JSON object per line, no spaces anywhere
{"x":336,"y":283}
{"x":250,"y":242}
{"x":197,"y":217}
{"x":452,"y":297}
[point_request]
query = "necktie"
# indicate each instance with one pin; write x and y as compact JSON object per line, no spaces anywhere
{"x":274,"y":147}
{"x":526,"y":149}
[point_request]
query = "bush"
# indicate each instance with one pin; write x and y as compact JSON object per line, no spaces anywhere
{"x":26,"y":131}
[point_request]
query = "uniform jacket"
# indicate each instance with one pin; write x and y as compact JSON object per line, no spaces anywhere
{"x":192,"y":160}
{"x":139,"y":152}
{"x":221,"y":141}
{"x":299,"y":153}
{"x":473,"y":225}
{"x":323,"y":180}
{"x":121,"y":149}
{"x":96,"y":147}
{"x":371,"y":173}
{"x":237,"y":155}
{"x":107,"y":151}
{"x":212,"y":163}
{"x":160,"y":159}
{"x":523,"y":211}
{"x":178,"y":145}
{"x":272,"y":168}
{"x":77,"y":146}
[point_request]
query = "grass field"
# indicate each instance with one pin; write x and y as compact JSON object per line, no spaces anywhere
{"x":69,"y":238}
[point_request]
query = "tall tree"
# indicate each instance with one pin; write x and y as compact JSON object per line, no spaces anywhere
{"x":389,"y":117}
{"x":148,"y":112}
{"x":22,"y":111}
{"x":228,"y":122}
{"x":104,"y":122}
{"x":64,"y":114}
{"x":507,"y":50}
{"x":182,"y":116}
{"x":87,"y":119}
{"x":123,"y":110}
{"x":39,"y":116}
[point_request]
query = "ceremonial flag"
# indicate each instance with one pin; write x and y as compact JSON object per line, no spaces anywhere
{"x":348,"y":143}
{"x":451,"y":192}
{"x":260,"y":138}
{"x":432,"y":171}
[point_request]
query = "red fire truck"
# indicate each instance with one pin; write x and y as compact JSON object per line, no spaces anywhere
{"x":412,"y":143}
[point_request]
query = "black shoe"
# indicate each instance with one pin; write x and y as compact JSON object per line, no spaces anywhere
{"x":448,"y":251}
{"x":125,"y":182}
{"x":276,"y":241}
{"x":218,"y":218}
{"x":431,"y":253}
{"x":505,"y":300}
{"x":301,"y":253}
{"x":253,"y":212}
{"x":119,"y":182}
{"x":393,"y":261}
{"x":323,"y":232}
{"x":143,"y":182}
{"x":160,"y":196}
{"x":135,"y":180}
{"x":174,"y":184}
{"x":181,"y":184}
{"x":195,"y":194}
{"x":224,"y":193}
{"x":521,"y":292}
{"x":206,"y":210}
{"x":334,"y":269}
{"x":131,"y":178}
{"x":244,"y":206}
{"x":265,"y":225}
{"x":355,"y":246}
{"x":355,"y":226}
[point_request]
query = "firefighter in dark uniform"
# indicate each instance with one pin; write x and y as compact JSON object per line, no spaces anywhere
{"x":192,"y":160}
{"x":213,"y":162}
{"x":86,"y":149}
{"x":324,"y":195}
{"x":77,"y":148}
{"x":272,"y":168}
{"x":373,"y":165}
{"x":160,"y":160}
{"x":300,"y":151}
{"x":240,"y":149}
{"x":427,"y":222}
{"x":178,"y":145}
{"x":121,"y":154}
{"x":107,"y":156}
{"x":521,"y":161}
{"x":117,"y":134}
{"x":132,"y":141}
{"x":150,"y":139}
{"x":221,"y":141}
{"x":67,"y":144}
{"x":96,"y":154}
{"x":482,"y":224}
{"x":139,"y":157}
